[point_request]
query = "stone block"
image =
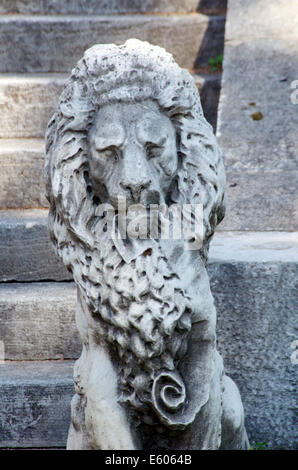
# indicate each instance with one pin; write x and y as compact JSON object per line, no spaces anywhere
{"x":35,"y":403}
{"x":55,"y":43}
{"x":26,"y":252}
{"x":21,"y":179}
{"x":38,"y":321}
{"x":257,"y":19}
{"x":27,"y":103}
{"x":257,"y":121}
{"x":253,"y":279}
{"x":261,"y":200}
{"x":257,"y":323}
{"x":96,"y":7}
{"x":254,"y":247}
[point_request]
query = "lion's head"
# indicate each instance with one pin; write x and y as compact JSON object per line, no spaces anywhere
{"x":139,"y":87}
{"x":129,"y":123}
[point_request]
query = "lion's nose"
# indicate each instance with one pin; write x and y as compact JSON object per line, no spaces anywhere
{"x":135,"y":189}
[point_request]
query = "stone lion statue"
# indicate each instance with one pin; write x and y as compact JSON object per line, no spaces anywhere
{"x":129,"y":124}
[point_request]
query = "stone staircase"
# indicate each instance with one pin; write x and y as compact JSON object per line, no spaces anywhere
{"x":253,"y":258}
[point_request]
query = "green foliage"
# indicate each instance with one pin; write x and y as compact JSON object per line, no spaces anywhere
{"x":258,"y":446}
{"x":216,"y":63}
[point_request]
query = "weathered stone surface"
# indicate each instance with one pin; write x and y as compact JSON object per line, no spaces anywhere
{"x":26,"y":253}
{"x":257,"y":19}
{"x":254,"y":247}
{"x":38,"y":321}
{"x":55,"y":43}
{"x":261,"y":200}
{"x":21,"y":178}
{"x":96,"y":7}
{"x":260,"y":62}
{"x":34,"y":403}
{"x":26,"y":103}
{"x":257,"y":323}
{"x":254,"y":282}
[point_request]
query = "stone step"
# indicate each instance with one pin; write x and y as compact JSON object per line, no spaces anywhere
{"x":257,"y":120}
{"x":35,"y":403}
{"x":96,"y":7}
{"x":257,"y":332}
{"x":38,"y":321}
{"x":55,"y":43}
{"x":27,"y":102}
{"x":22,"y":173}
{"x":26,"y":252}
{"x":253,"y":282}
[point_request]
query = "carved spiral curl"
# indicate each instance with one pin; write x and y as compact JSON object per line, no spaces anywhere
{"x":169,"y":398}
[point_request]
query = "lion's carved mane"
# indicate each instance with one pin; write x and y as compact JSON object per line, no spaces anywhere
{"x":143,"y":312}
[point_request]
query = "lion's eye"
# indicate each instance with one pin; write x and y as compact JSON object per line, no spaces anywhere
{"x":111,"y":153}
{"x":153,"y":151}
